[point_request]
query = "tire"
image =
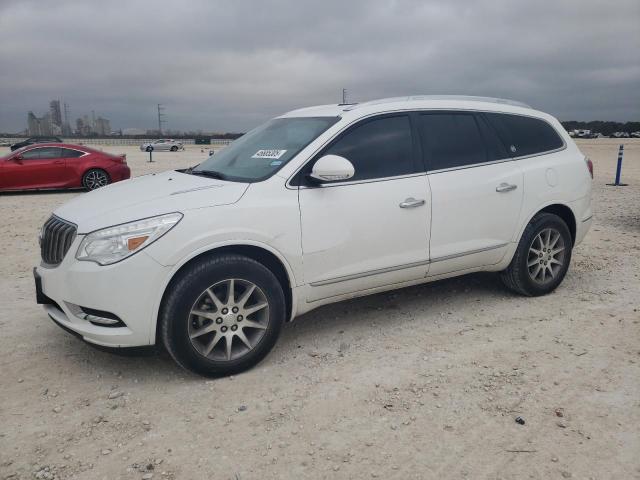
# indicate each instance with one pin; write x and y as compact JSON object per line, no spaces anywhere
{"x":95,"y":178}
{"x":195,"y":288}
{"x":174,"y":149}
{"x":525,"y":274}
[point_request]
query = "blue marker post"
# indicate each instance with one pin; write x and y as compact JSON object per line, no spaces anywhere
{"x":619,"y":169}
{"x":150,"y":150}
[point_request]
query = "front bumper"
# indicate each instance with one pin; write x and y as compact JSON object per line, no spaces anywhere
{"x":130,"y":289}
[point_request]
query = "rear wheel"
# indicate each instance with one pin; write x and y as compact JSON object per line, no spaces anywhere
{"x":95,"y":178}
{"x":542,"y":257}
{"x":222,"y":315}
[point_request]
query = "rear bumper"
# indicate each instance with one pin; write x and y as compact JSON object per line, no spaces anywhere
{"x":129,"y":290}
{"x":119,"y":173}
{"x":584,"y":217}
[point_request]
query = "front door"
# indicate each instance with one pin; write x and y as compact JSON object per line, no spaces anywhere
{"x":373,"y":229}
{"x":39,"y":167}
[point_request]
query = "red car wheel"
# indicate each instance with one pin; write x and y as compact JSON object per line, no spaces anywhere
{"x":95,"y":178}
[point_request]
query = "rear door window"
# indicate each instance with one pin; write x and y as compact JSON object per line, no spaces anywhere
{"x":524,"y":135}
{"x":451,"y":139}
{"x":495,"y":148}
{"x":69,"y":153}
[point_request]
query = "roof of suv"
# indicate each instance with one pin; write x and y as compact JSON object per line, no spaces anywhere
{"x":414,"y":102}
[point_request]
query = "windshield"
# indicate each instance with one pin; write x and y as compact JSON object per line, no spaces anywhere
{"x":264,"y":150}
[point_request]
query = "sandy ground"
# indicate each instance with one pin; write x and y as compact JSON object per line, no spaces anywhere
{"x":424,"y":382}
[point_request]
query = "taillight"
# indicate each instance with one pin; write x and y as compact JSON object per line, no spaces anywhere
{"x":589,"y":166}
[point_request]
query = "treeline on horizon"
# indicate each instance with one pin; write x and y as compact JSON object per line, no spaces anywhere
{"x":173,"y":135}
{"x":603,"y":127}
{"x":596,"y":126}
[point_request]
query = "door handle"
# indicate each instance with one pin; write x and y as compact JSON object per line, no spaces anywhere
{"x":505,"y":187}
{"x":412,"y":203}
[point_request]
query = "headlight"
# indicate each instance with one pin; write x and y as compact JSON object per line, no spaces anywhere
{"x":112,"y":244}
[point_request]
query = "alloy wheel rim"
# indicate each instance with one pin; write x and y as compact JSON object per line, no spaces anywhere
{"x":546,"y":256}
{"x":228,"y":320}
{"x":95,"y":180}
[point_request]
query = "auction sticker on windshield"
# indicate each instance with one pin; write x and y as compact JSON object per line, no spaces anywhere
{"x":274,"y":154}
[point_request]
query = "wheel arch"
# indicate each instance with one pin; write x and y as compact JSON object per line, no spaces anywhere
{"x":561,"y":210}
{"x":94,"y":167}
{"x":267,"y":257}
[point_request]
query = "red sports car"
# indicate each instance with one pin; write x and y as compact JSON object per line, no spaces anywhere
{"x":60,"y":165}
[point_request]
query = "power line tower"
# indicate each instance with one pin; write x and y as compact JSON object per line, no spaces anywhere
{"x":161,"y":117}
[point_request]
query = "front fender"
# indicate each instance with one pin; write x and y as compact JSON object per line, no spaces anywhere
{"x":275,"y":229}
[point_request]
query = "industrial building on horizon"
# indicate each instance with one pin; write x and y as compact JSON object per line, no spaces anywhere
{"x":52,"y":123}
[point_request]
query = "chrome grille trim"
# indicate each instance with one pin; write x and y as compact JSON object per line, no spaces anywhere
{"x":56,"y":238}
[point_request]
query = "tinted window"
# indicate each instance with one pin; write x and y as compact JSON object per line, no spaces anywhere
{"x":377,"y":148}
{"x":45,"y":152}
{"x":495,"y":148}
{"x":524,"y":135}
{"x":451,"y":140}
{"x":68,"y":153}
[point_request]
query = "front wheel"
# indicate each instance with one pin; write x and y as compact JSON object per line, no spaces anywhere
{"x":222,"y":315}
{"x":174,"y":148}
{"x":95,"y":178}
{"x":542,"y":257}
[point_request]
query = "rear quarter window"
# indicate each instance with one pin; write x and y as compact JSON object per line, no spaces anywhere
{"x":524,"y":135}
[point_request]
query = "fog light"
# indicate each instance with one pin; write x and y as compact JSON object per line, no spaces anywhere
{"x":100,"y":317}
{"x":101,"y":320}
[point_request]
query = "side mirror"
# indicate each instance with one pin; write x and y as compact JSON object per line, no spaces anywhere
{"x":17,"y":159}
{"x":332,"y":168}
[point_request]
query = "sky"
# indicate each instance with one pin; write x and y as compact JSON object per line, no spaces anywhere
{"x":227,"y":66}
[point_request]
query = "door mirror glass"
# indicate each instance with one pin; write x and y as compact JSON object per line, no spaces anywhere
{"x":332,"y":168}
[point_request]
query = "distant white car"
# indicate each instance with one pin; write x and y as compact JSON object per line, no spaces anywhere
{"x":619,"y":135}
{"x":316,"y":206}
{"x":164,"y":144}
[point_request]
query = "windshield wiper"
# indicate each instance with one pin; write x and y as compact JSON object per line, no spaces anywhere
{"x":209,"y":173}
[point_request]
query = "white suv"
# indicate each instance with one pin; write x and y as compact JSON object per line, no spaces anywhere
{"x":313,"y":207}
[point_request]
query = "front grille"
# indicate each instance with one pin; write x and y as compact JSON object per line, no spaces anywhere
{"x":56,"y":237}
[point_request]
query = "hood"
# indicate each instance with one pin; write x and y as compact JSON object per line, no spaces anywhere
{"x":147,"y":196}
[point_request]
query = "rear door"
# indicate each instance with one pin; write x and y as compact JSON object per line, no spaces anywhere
{"x":74,"y":165}
{"x":476,"y":190}
{"x":39,"y":167}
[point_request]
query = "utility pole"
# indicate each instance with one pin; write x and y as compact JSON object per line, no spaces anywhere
{"x":66,"y":129}
{"x":66,"y":112}
{"x":161,"y":117}
{"x":344,"y":96}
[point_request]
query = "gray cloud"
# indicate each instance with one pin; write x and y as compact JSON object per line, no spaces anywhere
{"x":228,"y":65}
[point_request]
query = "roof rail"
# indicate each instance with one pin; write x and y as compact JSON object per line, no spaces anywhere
{"x":440,"y":97}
